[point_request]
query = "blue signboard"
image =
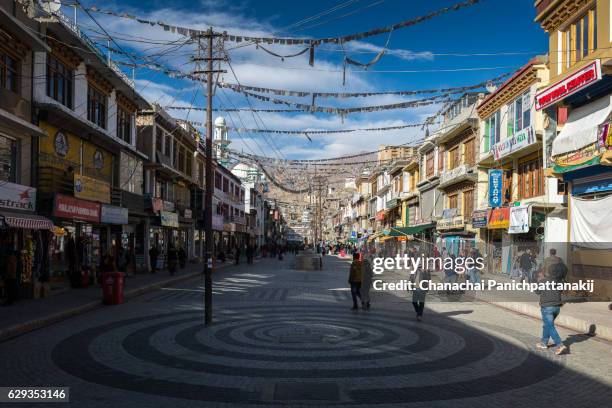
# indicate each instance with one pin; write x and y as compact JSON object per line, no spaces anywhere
{"x":495,"y":188}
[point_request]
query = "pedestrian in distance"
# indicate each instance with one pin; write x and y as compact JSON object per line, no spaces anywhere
{"x":172,"y":259}
{"x":367,"y":274}
{"x":354,"y":280}
{"x":418,"y":294}
{"x":550,"y":307}
{"x":525,"y":265}
{"x":237,"y":255}
{"x":153,"y":254}
{"x":182,"y":256}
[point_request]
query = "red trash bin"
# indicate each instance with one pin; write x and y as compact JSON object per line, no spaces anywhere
{"x":112,"y":288}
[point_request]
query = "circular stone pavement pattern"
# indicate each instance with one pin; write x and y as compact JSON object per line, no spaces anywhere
{"x":305,"y":354}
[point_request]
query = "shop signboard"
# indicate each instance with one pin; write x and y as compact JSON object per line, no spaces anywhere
{"x":499,"y":218}
{"x":570,"y":85}
{"x":217,"y":222}
{"x":449,"y":213}
{"x":73,"y":208}
{"x":495,"y":187}
{"x":157,"y":204}
{"x":450,"y":223}
{"x":17,"y":197}
{"x":479,"y":218}
{"x":583,"y":157}
{"x":111,"y":214}
{"x":89,"y":188}
{"x":519,"y":220}
{"x":168,"y":206}
{"x":169,"y":219}
{"x":516,"y":142}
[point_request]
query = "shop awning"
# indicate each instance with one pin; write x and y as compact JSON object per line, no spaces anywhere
{"x":582,"y":126}
{"x":26,"y":221}
{"x":403,"y":231}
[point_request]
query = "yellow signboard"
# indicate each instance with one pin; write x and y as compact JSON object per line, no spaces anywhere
{"x":91,"y":189}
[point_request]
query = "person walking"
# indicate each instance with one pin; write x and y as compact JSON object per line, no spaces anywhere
{"x":237,"y":254}
{"x":550,"y":307}
{"x":172,"y":259}
{"x":418,"y":294}
{"x":153,"y":254}
{"x":473,"y":273}
{"x":354,"y":280}
{"x":249,"y":254}
{"x":366,"y":278}
{"x":182,"y":257}
{"x":525,"y":264}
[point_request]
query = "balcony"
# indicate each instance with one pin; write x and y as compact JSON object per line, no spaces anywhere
{"x":459,"y":173}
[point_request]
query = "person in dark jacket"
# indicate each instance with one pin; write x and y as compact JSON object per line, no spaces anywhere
{"x":550,"y":307}
{"x":355,"y":280}
{"x":182,"y":257}
{"x":153,"y":254}
{"x":172,"y":259}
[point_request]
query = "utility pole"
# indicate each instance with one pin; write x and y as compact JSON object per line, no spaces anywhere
{"x":210,"y":177}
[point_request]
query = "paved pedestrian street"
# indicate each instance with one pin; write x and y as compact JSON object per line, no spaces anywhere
{"x":283,"y":337}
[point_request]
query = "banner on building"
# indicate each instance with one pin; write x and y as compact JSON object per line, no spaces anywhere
{"x":570,"y":85}
{"x":93,"y":189}
{"x":480,"y":218}
{"x":499,"y":218}
{"x":519,"y":219}
{"x":17,"y":197}
{"x":516,"y":142}
{"x":495,"y":187}
{"x":111,"y":214}
{"x":73,"y":208}
{"x":169,"y":219}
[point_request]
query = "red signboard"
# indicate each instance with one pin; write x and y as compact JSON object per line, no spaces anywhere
{"x":570,"y":85}
{"x":73,"y":208}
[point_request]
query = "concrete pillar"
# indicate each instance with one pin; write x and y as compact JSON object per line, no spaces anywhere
{"x":40,"y":76}
{"x":111,"y":114}
{"x":80,"y":91}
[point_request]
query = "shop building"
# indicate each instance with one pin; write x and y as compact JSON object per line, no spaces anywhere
{"x":529,"y":207}
{"x":431,"y":203}
{"x":24,"y":235}
{"x":86,"y":106}
{"x":170,"y":177}
{"x":577,"y":105}
{"x":457,"y":146}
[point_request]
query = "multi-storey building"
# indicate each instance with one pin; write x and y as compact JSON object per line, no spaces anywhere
{"x":577,"y":104}
{"x":169,"y":179}
{"x":512,"y":150}
{"x":457,"y":146}
{"x":89,"y":168}
{"x":22,"y":232}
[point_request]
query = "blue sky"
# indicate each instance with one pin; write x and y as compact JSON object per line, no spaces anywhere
{"x":492,"y":27}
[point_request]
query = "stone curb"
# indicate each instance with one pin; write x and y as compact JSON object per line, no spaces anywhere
{"x":20,"y":329}
{"x":564,"y":320}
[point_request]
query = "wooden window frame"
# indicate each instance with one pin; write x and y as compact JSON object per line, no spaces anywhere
{"x":468,"y":205}
{"x":56,"y":67}
{"x":97,"y":106}
{"x":531,"y":178}
{"x":429,"y":164}
{"x":453,"y":197}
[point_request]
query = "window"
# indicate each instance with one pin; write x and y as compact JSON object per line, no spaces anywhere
{"x":440,"y":159}
{"x":453,"y":158}
{"x":218,"y":183}
{"x":507,"y":186}
{"x":167,"y":145}
{"x":429,"y":164}
{"x":225,"y":185}
{"x":175,"y":152}
{"x":96,"y":106}
{"x":188,"y":163}
{"x":468,"y":203}
{"x":453,"y":200}
{"x":580,"y":38}
{"x":181,"y":159}
{"x":531,"y":179}
{"x":519,"y":113}
{"x":159,"y":144}
{"x":124,"y":125}
{"x":9,"y":72}
{"x":59,"y":81}
{"x":492,"y":131}
{"x":469,"y":156}
{"x":201,"y":173}
{"x":8,"y":159}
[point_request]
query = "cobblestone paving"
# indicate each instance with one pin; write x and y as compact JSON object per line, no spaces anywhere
{"x":283,"y":337}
